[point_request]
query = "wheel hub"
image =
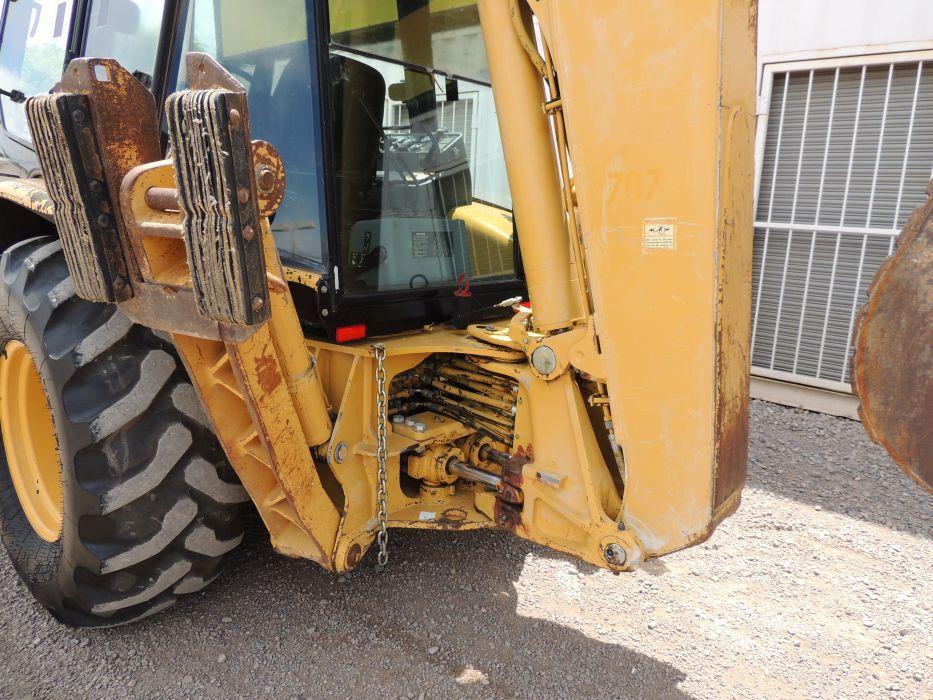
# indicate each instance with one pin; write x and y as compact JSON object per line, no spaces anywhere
{"x":30,"y":441}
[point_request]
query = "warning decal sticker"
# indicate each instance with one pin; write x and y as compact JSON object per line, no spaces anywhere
{"x":659,"y":234}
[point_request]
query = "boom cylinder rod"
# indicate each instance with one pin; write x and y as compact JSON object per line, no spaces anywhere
{"x":490,"y":454}
{"x":471,"y":473}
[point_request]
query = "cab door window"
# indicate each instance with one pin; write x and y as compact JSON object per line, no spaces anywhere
{"x":268,"y":48}
{"x":32,"y":54}
{"x":126,"y":30}
{"x":423,"y":198}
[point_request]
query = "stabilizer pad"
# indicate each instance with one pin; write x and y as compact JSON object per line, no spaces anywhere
{"x":209,"y":136}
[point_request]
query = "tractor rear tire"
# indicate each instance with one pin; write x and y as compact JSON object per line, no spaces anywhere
{"x":148,"y":508}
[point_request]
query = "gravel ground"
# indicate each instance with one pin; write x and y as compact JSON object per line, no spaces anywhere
{"x":818,"y":587}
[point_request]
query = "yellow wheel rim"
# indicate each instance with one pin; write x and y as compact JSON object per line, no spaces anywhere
{"x":30,"y":442}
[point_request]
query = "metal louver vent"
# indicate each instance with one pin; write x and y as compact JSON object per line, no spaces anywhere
{"x":848,"y":155}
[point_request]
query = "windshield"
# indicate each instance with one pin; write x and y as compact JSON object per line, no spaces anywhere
{"x":32,"y":54}
{"x":127,"y":31}
{"x":421,"y":193}
{"x":266,"y":47}
{"x":423,"y":197}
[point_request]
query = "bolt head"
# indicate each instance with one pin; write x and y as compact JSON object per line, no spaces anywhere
{"x":235,"y":118}
{"x":265,"y":178}
{"x":249,"y":233}
{"x":615,"y":555}
{"x":340,"y":453}
{"x":544,"y":359}
{"x":258,"y":303}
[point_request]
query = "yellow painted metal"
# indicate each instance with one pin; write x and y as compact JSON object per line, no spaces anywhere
{"x":267,"y":407}
{"x":659,"y":107}
{"x":571,"y":503}
{"x":431,"y":465}
{"x":437,"y":428}
{"x":297,"y":362}
{"x":262,"y":394}
{"x":489,"y":238}
{"x":30,"y":194}
{"x":30,"y":442}
{"x":533,"y":173}
{"x":654,"y":115}
{"x":570,"y":499}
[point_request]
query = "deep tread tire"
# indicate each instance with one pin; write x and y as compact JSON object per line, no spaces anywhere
{"x":151,"y":508}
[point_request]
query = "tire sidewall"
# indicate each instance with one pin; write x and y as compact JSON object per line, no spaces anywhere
{"x":37,"y":561}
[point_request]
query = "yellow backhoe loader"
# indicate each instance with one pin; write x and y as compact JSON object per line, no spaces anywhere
{"x":373,"y":264}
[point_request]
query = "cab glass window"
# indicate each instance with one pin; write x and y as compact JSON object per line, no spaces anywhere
{"x":441,"y":35}
{"x":266,"y":47}
{"x":32,"y":54}
{"x":127,"y":30}
{"x":423,"y":197}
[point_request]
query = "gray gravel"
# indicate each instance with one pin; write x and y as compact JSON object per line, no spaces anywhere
{"x":818,"y":587}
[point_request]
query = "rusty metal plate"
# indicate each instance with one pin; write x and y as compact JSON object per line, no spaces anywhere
{"x":892,"y":372}
{"x":208,"y":129}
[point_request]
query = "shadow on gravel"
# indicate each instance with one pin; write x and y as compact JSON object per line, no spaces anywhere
{"x":297,"y":631}
{"x":829,"y":462}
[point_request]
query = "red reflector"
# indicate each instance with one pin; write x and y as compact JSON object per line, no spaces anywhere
{"x":525,"y":306}
{"x":345,"y":334}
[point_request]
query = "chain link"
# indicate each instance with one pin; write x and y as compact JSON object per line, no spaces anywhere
{"x":382,"y":452}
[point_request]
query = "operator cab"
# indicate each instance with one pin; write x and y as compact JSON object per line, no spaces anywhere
{"x":397,"y":194}
{"x":382,"y":111}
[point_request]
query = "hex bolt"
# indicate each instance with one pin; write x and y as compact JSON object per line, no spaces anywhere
{"x":97,"y":187}
{"x":242,"y":195}
{"x":248,"y":233}
{"x":235,"y":119}
{"x":340,"y":453}
{"x":103,"y":221}
{"x":615,"y":555}
{"x":79,"y":116}
{"x":258,"y":303}
{"x":119,"y":282}
{"x":265,"y":178}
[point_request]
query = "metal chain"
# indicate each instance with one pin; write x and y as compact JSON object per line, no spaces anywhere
{"x":382,"y":452}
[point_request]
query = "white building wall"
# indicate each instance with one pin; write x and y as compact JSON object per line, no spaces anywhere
{"x":789,"y":28}
{"x":797,"y":36}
